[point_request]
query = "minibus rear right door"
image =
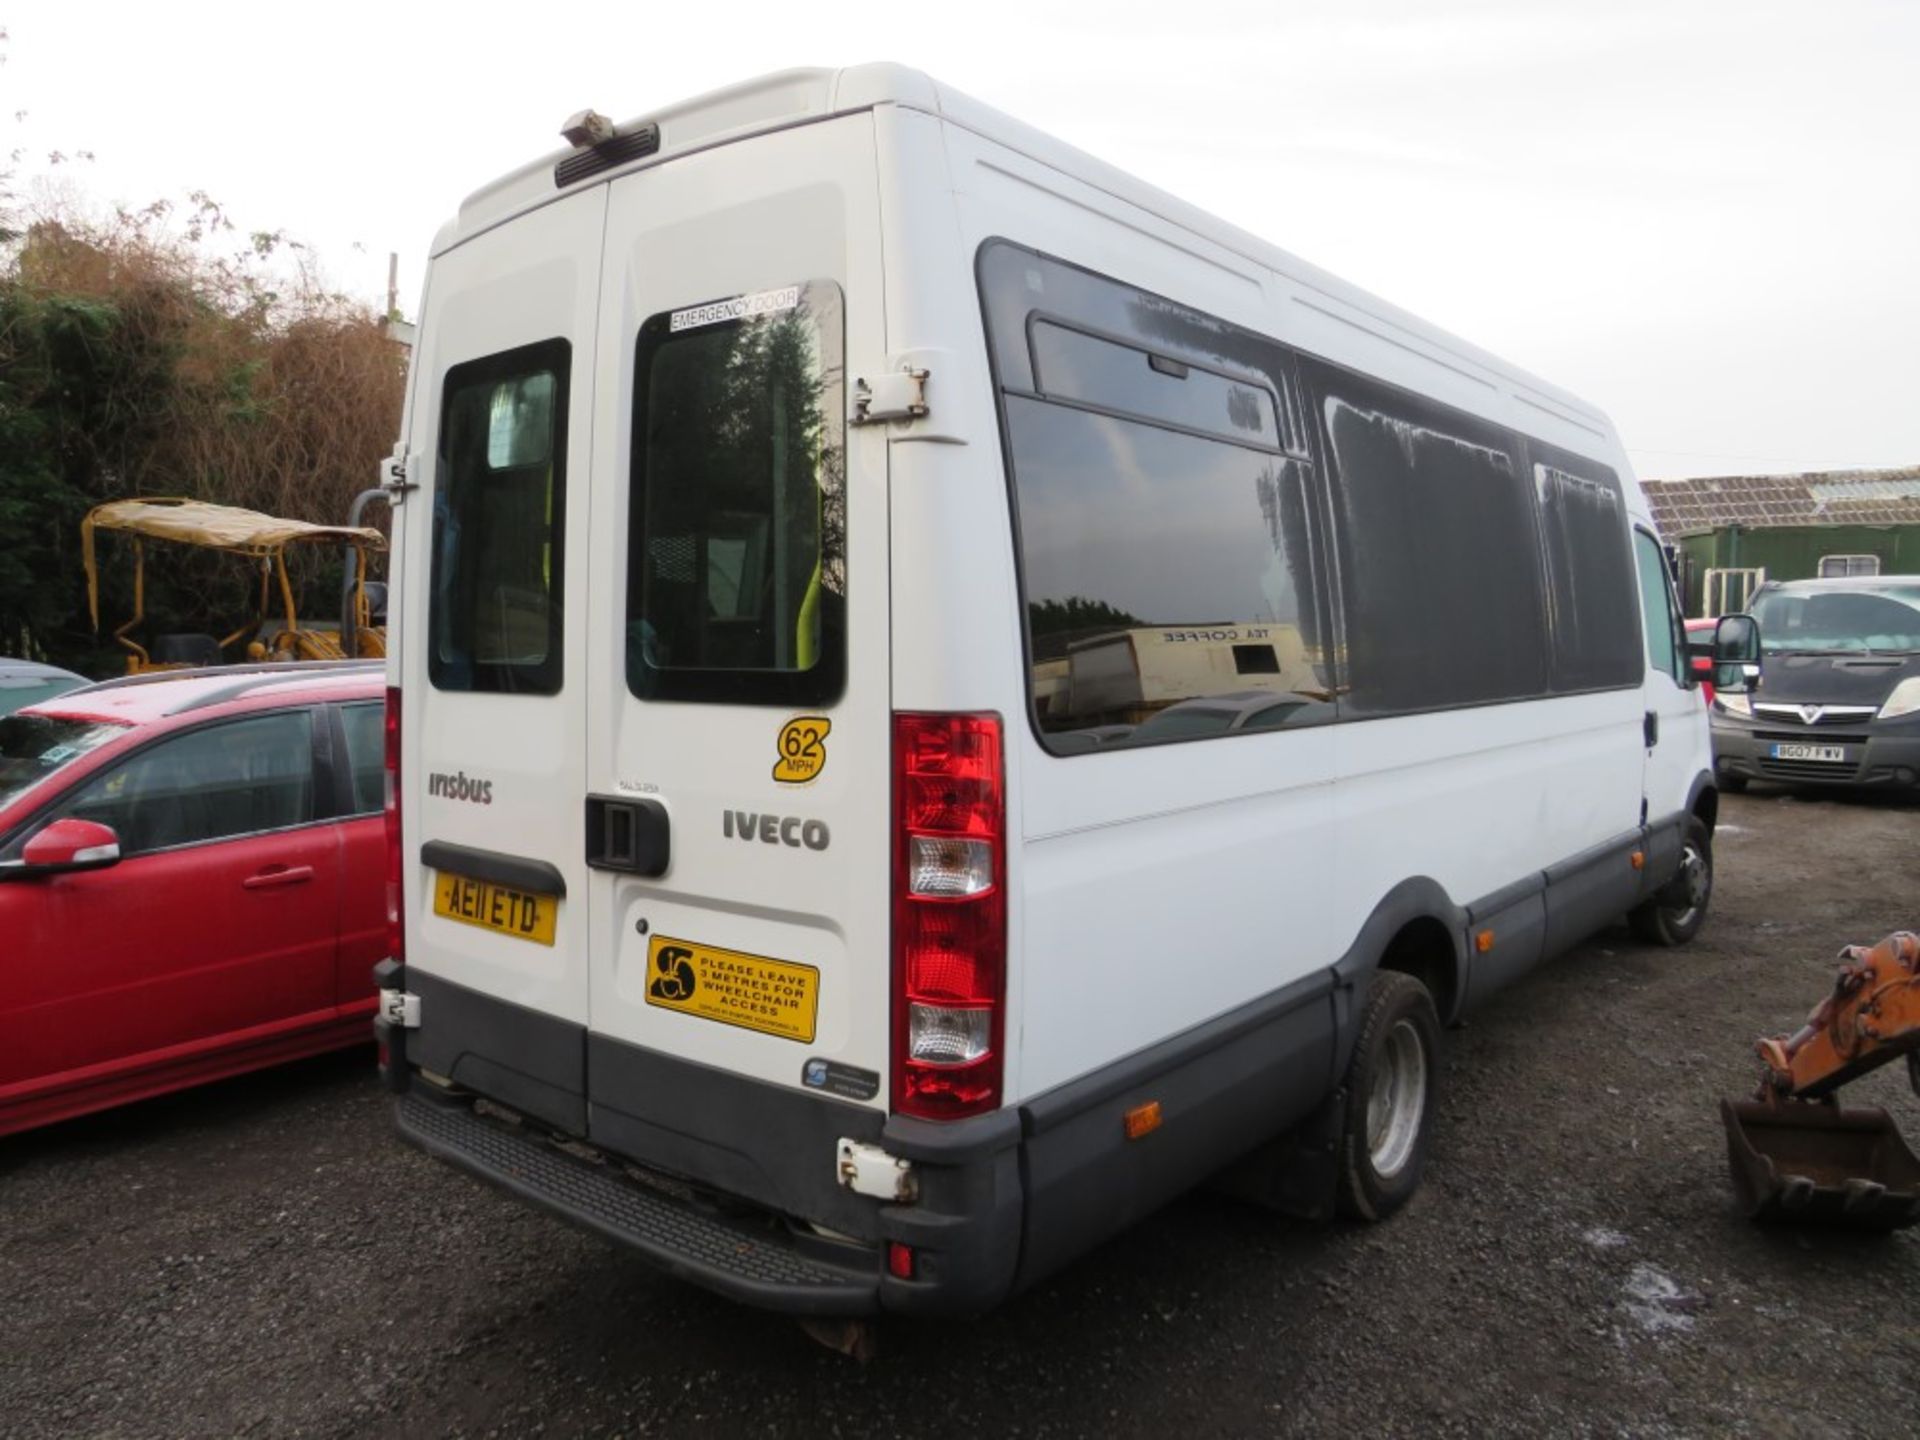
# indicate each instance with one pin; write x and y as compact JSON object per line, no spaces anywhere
{"x":738,"y":733}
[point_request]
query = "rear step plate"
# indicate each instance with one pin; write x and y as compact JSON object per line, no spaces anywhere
{"x":753,"y":1264}
{"x":1811,"y":1164}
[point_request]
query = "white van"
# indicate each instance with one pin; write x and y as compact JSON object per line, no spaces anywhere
{"x":776,"y":893}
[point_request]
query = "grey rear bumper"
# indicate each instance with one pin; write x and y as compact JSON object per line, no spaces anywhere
{"x":727,"y":1181}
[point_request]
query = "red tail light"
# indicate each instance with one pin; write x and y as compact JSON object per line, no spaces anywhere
{"x":396,"y":932}
{"x":949,"y":915}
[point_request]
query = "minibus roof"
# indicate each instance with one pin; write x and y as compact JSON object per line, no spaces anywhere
{"x":795,"y":97}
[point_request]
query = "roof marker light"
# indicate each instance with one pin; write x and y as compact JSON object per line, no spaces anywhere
{"x":586,"y":127}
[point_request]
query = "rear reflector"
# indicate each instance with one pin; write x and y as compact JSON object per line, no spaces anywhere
{"x":396,"y":932}
{"x":899,"y":1260}
{"x":949,"y":915}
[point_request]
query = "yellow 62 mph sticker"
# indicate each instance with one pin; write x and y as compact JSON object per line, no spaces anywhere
{"x":803,"y":749}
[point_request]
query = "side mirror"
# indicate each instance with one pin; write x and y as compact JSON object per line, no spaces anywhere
{"x":1736,"y":654}
{"x":70,"y":845}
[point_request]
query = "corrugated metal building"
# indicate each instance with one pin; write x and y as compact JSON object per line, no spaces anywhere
{"x":1731,"y":531}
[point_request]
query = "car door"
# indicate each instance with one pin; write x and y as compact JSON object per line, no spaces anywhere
{"x":219,"y":921}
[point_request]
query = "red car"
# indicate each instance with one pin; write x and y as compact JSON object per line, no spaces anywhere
{"x":192,"y":881}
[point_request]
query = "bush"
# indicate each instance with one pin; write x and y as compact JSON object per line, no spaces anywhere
{"x":138,"y":358}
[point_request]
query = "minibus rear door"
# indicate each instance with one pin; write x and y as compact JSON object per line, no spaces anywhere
{"x":494,"y":659}
{"x":737,"y":682}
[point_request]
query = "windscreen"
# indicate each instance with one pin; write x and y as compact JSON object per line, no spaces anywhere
{"x":737,"y":549}
{"x":38,"y":747}
{"x":1880,"y":619}
{"x":19,"y":691}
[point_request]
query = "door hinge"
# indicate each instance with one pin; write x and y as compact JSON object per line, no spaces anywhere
{"x":400,"y":1009}
{"x":393,"y":476}
{"x":868,"y":1170}
{"x":897,"y":395}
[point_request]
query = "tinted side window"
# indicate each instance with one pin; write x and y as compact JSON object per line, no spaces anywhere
{"x":1072,"y":365}
{"x":366,"y":755}
{"x":1664,"y":645}
{"x":1161,"y":500}
{"x":736,"y":559}
{"x":499,"y":523}
{"x":1583,"y":539}
{"x":1437,"y":552}
{"x":235,"y":778}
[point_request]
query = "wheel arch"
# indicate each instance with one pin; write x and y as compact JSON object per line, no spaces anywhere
{"x":1416,"y":929}
{"x":1703,"y":799}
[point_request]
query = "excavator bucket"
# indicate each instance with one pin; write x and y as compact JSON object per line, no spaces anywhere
{"x":1813,"y":1164}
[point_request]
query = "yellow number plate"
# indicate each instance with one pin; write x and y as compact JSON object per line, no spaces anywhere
{"x":495,"y":907}
{"x":775,"y":997}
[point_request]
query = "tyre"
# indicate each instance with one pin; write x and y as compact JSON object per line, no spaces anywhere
{"x":1677,"y":911}
{"x":1733,"y":784}
{"x":1392,"y":1086}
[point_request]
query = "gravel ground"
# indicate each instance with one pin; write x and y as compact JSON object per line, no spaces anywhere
{"x":261,"y":1257}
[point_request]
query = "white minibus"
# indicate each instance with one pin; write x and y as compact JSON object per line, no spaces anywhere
{"x":942,"y":697}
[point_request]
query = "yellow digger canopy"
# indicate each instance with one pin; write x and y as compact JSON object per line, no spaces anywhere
{"x":217,"y":527}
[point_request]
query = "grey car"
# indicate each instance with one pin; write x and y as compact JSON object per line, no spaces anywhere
{"x":28,"y":682}
{"x":1838,"y":701}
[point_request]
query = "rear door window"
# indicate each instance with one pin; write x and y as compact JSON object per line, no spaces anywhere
{"x":365,"y":729}
{"x":737,"y":546}
{"x":499,"y":520}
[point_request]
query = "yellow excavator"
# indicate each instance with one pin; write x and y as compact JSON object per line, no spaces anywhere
{"x":1796,"y":1155}
{"x":262,"y":541}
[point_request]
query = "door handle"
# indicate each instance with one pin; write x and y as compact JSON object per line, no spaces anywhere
{"x":277,"y":875}
{"x":1650,"y":727}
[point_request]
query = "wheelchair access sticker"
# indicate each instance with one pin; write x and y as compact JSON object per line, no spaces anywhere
{"x":803,"y":750}
{"x":775,"y":997}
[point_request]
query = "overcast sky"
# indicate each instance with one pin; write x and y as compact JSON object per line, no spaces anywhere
{"x":1703,"y":217}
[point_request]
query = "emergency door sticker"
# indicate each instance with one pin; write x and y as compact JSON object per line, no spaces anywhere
{"x":803,"y":749}
{"x":740,"y":307}
{"x":775,"y":997}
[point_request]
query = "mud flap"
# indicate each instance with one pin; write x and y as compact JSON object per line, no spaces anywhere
{"x":1293,"y":1174}
{"x":1811,"y":1164}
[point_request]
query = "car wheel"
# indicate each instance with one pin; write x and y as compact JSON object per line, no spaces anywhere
{"x":1677,"y":911}
{"x":1393,"y":1086}
{"x":1733,"y":784}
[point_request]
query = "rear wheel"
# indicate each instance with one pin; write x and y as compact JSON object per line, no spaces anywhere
{"x":1392,"y":1086}
{"x":1675,"y":914}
